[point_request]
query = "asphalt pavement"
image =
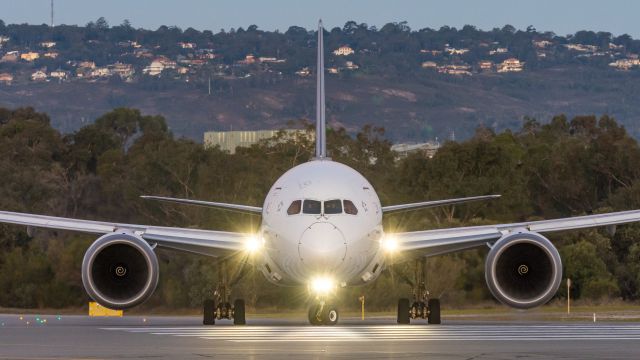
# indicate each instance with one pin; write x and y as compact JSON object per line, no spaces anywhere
{"x":137,"y":337}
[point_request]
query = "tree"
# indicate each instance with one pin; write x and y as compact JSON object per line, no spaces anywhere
{"x":102,"y":24}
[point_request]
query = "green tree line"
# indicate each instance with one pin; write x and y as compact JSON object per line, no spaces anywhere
{"x":561,"y":168}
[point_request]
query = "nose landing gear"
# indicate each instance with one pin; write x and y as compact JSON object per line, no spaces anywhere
{"x":322,"y":313}
{"x":422,"y":306}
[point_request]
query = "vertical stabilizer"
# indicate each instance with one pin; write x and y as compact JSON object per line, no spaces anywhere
{"x":321,"y":140}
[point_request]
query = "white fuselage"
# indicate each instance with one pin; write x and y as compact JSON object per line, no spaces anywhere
{"x":322,"y":218}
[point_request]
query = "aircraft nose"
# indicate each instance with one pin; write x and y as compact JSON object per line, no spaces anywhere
{"x":322,"y":247}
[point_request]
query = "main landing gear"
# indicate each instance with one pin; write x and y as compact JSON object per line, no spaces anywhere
{"x":422,"y":306}
{"x":323,"y":313}
{"x":219,"y":307}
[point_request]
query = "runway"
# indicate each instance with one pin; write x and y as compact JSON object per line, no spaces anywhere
{"x":52,"y":337}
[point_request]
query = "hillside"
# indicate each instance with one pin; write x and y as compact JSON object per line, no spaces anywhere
{"x":412,"y":109}
{"x":418,"y":84}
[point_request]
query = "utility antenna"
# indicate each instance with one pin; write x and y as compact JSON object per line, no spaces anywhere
{"x":51,"y":13}
{"x":321,"y":141}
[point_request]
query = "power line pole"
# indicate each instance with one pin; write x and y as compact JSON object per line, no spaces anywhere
{"x":51,"y":13}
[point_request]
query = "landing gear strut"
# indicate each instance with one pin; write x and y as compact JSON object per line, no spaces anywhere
{"x":422,"y":306}
{"x":323,"y":313}
{"x":219,"y":307}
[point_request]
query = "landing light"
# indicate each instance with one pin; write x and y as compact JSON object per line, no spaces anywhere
{"x":389,"y":244}
{"x":254,"y":243}
{"x":322,"y":285}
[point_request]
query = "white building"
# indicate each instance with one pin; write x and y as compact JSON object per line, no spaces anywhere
{"x":6,"y":78}
{"x":100,"y":72}
{"x":87,"y":64}
{"x":230,"y":140}
{"x":48,"y":44}
{"x":541,"y":44}
{"x":429,"y":149}
{"x":154,"y":69}
{"x":625,"y":64}
{"x":122,"y":70}
{"x":498,"y":51}
{"x":455,"y":69}
{"x":350,"y":65}
{"x":581,"y":47}
{"x":59,"y":74}
{"x":187,"y":45}
{"x":303,"y":72}
{"x":510,"y":65}
{"x":39,"y":76}
{"x":454,"y":51}
{"x":429,"y":65}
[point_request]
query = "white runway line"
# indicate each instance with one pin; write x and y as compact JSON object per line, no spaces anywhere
{"x":397,"y":333}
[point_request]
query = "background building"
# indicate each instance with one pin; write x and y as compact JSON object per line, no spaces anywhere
{"x":230,"y":140}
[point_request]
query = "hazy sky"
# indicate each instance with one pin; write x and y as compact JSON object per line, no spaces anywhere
{"x":561,"y":16}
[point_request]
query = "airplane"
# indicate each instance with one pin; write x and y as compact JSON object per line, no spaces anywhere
{"x":322,"y":228}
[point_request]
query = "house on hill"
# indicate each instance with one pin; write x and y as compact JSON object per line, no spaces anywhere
{"x":510,"y":65}
{"x":154,"y":69}
{"x":6,"y":78}
{"x":59,"y":74}
{"x":343,"y":50}
{"x":485,"y":65}
{"x":452,"y":69}
{"x":429,"y":65}
{"x":39,"y":76}
{"x":11,"y":56}
{"x":29,"y":56}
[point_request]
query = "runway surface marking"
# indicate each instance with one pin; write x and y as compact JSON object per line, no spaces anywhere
{"x":417,"y":332}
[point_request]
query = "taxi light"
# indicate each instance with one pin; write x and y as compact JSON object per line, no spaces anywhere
{"x":322,"y":285}
{"x":254,"y":243}
{"x":389,"y":244}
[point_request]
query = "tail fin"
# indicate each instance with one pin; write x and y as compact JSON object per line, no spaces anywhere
{"x":321,"y":140}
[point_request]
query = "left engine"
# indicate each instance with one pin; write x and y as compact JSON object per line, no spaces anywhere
{"x":523,"y":270}
{"x":120,"y":270}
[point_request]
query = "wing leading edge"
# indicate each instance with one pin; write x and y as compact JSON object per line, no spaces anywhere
{"x":434,"y":203}
{"x":205,"y":242}
{"x":442,"y":241}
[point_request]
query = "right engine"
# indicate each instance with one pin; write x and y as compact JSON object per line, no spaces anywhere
{"x":523,"y":270}
{"x":120,"y":270}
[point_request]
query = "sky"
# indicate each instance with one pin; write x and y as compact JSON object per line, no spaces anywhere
{"x":560,"y":16}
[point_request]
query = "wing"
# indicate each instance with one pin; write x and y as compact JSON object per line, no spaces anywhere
{"x":442,"y":241}
{"x":205,"y":242}
{"x":428,"y":204}
{"x":235,"y":207}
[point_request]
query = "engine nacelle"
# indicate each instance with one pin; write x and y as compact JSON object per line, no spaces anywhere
{"x":523,"y":270}
{"x":120,"y":271}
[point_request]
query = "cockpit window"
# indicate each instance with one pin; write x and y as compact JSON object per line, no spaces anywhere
{"x":294,"y":208}
{"x":333,"y":207}
{"x":350,"y":208}
{"x":311,"y":207}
